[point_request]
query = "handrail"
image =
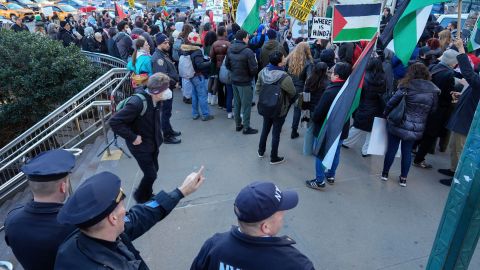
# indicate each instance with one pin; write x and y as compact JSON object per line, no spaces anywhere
{"x":71,"y":125}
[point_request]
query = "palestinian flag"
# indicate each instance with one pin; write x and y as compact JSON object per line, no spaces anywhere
{"x":119,"y":11}
{"x":387,"y":34}
{"x":342,"y":108}
{"x":473,"y":42}
{"x":409,"y":28}
{"x":355,"y":22}
{"x":248,"y":14}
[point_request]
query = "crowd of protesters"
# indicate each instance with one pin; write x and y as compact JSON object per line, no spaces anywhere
{"x":220,"y":64}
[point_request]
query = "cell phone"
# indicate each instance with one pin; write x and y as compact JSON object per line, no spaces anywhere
{"x":200,"y":173}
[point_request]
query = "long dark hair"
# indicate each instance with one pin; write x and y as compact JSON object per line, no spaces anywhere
{"x":210,"y":38}
{"x":139,"y":43}
{"x":187,"y":29}
{"x":375,"y":66}
{"x":415,"y":71}
{"x":318,"y":76}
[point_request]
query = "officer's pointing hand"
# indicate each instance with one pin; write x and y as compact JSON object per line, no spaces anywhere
{"x":192,"y":182}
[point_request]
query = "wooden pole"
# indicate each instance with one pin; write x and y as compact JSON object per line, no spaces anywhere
{"x":459,"y":20}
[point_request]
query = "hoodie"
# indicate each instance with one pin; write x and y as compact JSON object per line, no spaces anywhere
{"x":268,"y":48}
{"x":271,"y":74}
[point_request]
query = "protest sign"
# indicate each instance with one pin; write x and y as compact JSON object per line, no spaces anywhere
{"x":216,"y":6}
{"x":300,"y":9}
{"x":321,"y":28}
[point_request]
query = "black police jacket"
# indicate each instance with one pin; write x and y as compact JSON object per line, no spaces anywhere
{"x":235,"y":250}
{"x":33,"y":233}
{"x":128,"y":123}
{"x":80,"y":252}
{"x":161,"y":62}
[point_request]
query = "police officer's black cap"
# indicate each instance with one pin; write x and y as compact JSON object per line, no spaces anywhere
{"x":93,"y":200}
{"x":49,"y":166}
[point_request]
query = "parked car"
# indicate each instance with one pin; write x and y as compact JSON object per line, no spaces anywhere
{"x":62,"y":11}
{"x":42,"y":3}
{"x":5,"y":23}
{"x":10,"y":10}
{"x":445,"y":19}
{"x":26,"y":4}
{"x":77,"y":4}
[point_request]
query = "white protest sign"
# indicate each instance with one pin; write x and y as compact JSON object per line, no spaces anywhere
{"x":216,"y":6}
{"x":47,"y":11}
{"x":321,"y":28}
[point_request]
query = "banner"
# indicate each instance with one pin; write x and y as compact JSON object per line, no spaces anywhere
{"x":321,"y":28}
{"x":300,"y":29}
{"x":216,"y":6}
{"x":300,"y":9}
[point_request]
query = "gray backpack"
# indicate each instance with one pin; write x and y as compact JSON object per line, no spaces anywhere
{"x":224,"y":74}
{"x":185,"y":67}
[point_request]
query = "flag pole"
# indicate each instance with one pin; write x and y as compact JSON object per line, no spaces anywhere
{"x":459,"y":20}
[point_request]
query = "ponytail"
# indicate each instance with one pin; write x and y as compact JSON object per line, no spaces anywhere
{"x":139,"y":43}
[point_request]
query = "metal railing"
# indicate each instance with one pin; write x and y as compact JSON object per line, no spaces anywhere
{"x":71,"y":125}
{"x":104,"y":61}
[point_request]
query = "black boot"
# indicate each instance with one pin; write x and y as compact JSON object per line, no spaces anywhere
{"x":294,"y":134}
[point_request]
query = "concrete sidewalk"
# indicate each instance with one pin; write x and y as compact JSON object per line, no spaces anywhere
{"x":359,"y":223}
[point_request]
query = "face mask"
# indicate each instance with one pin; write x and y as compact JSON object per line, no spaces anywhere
{"x":129,"y":31}
{"x":166,"y":95}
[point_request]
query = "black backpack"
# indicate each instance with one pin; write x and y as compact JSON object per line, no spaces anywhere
{"x":112,"y":48}
{"x":270,"y":99}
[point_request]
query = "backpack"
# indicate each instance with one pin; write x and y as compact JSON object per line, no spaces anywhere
{"x":185,"y":67}
{"x":224,"y":73}
{"x":124,"y":102}
{"x":113,"y":48}
{"x":176,"y":49}
{"x":270,"y":99}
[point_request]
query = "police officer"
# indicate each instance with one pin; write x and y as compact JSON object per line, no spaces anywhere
{"x":161,"y":62}
{"x":260,"y":208}
{"x":106,"y":229}
{"x":32,"y":231}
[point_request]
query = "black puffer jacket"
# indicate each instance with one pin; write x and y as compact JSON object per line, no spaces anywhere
{"x":242,"y":63}
{"x":299,"y":81}
{"x":421,"y":98}
{"x":200,"y":65}
{"x":371,"y":103}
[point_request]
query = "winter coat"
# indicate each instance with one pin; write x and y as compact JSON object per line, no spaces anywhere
{"x":421,"y":98}
{"x":90,"y":44}
{"x":161,"y":62}
{"x":462,"y":116}
{"x":200,"y":65}
{"x":66,"y":37}
{"x":128,"y":123}
{"x":143,"y":64}
{"x":270,"y":75}
{"x":371,"y":102}
{"x":444,"y":78}
{"x":315,"y":95}
{"x":268,"y":48}
{"x":400,"y":69}
{"x":242,"y":63}
{"x":124,"y":45}
{"x":323,"y":106}
{"x":219,"y":51}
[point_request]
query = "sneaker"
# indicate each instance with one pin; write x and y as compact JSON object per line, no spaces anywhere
{"x":207,"y":118}
{"x":384,"y":176}
{"x":331,"y":180}
{"x":214,"y":99}
{"x":230,"y":115}
{"x":402,"y":181}
{"x":422,"y":165}
{"x":446,"y":172}
{"x":365,"y":155}
{"x":174,"y":133}
{"x":250,"y":131}
{"x":171,"y":140}
{"x":209,"y":98}
{"x":260,"y":154}
{"x":195,"y":117}
{"x":277,"y":160}
{"x":315,"y":185}
{"x":346,"y":147}
{"x":294,"y":134}
{"x":239,"y":128}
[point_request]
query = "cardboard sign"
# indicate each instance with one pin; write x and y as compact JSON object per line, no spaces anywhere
{"x":300,"y":29}
{"x":131,"y":3}
{"x":321,"y":28}
{"x":216,"y":6}
{"x":300,"y":9}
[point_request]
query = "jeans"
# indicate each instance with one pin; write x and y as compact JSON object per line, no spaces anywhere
{"x":187,"y":88}
{"x":392,"y":148}
{"x":199,"y":96}
{"x":229,"y":97}
{"x":268,"y":123}
{"x":243,"y":96}
{"x":320,"y":173}
{"x":166,"y":115}
{"x":148,"y":163}
{"x":354,"y":135}
{"x":296,"y":117}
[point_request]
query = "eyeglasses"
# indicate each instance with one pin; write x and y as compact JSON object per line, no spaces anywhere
{"x":120,"y":196}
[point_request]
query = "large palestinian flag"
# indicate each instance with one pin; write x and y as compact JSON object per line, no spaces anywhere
{"x":355,"y":22}
{"x":342,"y":108}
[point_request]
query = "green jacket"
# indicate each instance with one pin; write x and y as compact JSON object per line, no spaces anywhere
{"x":267,"y":76}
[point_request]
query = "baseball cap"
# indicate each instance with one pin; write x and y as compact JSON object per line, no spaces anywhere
{"x":260,"y":200}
